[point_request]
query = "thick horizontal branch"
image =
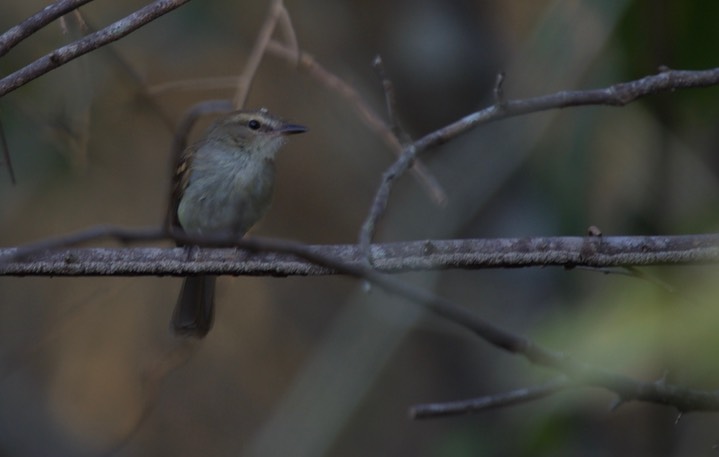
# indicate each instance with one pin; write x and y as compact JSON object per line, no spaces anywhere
{"x":566,"y":252}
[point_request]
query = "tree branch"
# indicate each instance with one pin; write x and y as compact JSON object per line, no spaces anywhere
{"x":88,"y":43}
{"x":48,"y":258}
{"x":502,"y":400}
{"x":55,"y":10}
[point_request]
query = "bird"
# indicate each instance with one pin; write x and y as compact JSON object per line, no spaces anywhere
{"x":222,"y":186}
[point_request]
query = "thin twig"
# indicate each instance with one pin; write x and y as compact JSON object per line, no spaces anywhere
{"x":391,"y":101}
{"x":88,"y":43}
{"x":6,"y":154}
{"x":502,"y":400}
{"x":288,"y":32}
{"x":615,"y":95}
{"x":244,"y":81}
{"x":366,"y":114}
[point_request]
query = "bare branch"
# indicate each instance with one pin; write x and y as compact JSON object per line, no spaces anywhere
{"x":55,"y":10}
{"x":88,"y":43}
{"x":502,"y":400}
{"x":615,"y":95}
{"x":47,"y":257}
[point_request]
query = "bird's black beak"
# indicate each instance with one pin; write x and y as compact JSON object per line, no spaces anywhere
{"x":291,"y":129}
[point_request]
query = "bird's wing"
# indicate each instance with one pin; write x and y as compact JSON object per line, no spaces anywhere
{"x":180,"y":180}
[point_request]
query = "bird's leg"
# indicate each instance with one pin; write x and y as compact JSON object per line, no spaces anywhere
{"x":191,"y":251}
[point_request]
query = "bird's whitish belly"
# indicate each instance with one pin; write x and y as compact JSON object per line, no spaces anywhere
{"x":236,"y":203}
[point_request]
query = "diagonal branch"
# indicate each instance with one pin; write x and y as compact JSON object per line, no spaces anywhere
{"x":88,"y":43}
{"x":55,"y":10}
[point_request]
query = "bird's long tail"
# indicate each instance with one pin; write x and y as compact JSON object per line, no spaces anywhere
{"x":195,"y":308}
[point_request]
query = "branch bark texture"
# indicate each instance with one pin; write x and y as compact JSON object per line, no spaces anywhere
{"x":567,"y":252}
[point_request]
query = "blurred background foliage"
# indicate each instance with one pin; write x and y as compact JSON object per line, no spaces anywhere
{"x":318,"y":366}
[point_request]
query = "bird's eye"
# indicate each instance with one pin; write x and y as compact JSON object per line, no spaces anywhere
{"x":254,"y":124}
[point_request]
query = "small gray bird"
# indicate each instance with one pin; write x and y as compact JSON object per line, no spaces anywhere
{"x":222,"y":187}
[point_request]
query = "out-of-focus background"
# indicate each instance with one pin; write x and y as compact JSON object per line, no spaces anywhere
{"x":319,"y":366}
